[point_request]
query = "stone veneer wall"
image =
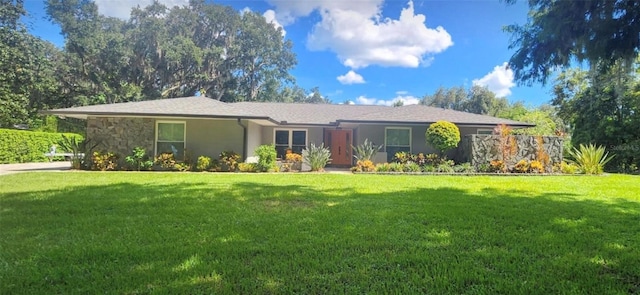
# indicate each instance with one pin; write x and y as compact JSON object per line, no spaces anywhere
{"x":121,"y":135}
{"x":481,"y":149}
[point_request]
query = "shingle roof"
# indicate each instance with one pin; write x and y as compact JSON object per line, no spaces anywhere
{"x":283,"y":113}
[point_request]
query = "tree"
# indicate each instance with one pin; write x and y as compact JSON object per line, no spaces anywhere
{"x":602,"y":106}
{"x":162,"y":52}
{"x":560,"y":32}
{"x":443,"y":136}
{"x":477,"y":100}
{"x":27,"y":70}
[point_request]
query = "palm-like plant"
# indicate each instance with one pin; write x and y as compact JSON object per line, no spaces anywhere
{"x":590,"y":158}
{"x":365,"y":151}
{"x":316,"y":157}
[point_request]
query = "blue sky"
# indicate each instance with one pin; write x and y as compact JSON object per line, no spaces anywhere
{"x":377,"y":51}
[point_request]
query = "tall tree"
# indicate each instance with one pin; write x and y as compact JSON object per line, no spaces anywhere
{"x":27,"y":69}
{"x":602,"y":106}
{"x":560,"y":32}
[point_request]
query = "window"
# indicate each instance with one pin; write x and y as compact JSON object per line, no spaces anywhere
{"x":170,"y":138}
{"x":485,"y":131}
{"x":397,"y":139}
{"x":294,"y":139}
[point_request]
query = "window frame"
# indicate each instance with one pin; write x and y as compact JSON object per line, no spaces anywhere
{"x":290,"y":138}
{"x":482,"y":131}
{"x":157,"y":131}
{"x":402,"y":128}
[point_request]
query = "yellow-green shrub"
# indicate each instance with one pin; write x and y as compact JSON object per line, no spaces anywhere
{"x":20,"y":146}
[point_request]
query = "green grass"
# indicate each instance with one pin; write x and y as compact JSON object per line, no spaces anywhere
{"x":141,"y":233}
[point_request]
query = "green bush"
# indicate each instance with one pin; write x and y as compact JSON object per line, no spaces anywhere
{"x":412,"y":167}
{"x":365,"y":151}
{"x":443,"y":135}
{"x":203,"y":163}
{"x":316,"y":157}
{"x":19,"y":146}
{"x":590,"y":159}
{"x":138,"y":160}
{"x":266,"y":158}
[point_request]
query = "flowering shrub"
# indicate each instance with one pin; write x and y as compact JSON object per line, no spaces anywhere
{"x":536,"y":166}
{"x":521,"y":167}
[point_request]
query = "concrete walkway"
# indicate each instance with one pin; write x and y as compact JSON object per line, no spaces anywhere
{"x":30,"y":167}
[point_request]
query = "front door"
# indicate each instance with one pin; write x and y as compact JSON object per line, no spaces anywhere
{"x":339,"y":143}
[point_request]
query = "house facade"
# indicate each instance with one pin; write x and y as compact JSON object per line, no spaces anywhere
{"x":200,"y":126}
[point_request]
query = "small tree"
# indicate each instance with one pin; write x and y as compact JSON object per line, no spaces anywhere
{"x":443,"y":136}
{"x":266,"y":157}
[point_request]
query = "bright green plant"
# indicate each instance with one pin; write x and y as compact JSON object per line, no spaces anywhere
{"x":203,"y":163}
{"x":365,"y":151}
{"x":590,"y":158}
{"x":138,"y":160}
{"x":81,"y":148}
{"x":230,"y":159}
{"x":266,"y":157}
{"x":21,"y":146}
{"x":317,"y":157}
{"x":443,"y":136}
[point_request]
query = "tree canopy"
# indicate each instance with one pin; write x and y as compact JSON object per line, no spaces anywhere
{"x":560,"y":32}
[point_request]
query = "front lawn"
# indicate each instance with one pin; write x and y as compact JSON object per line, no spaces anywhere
{"x":140,"y":233}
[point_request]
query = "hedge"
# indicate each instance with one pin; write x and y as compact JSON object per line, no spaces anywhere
{"x":19,"y":146}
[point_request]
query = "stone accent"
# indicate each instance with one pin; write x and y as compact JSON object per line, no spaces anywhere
{"x":481,"y":149}
{"x":121,"y":135}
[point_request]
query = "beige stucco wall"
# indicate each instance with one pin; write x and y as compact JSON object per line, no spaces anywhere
{"x":211,"y":137}
{"x":254,"y":137}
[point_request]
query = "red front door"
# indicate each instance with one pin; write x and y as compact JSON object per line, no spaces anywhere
{"x":339,"y":143}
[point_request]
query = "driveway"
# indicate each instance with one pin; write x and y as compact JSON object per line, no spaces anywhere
{"x":30,"y":167}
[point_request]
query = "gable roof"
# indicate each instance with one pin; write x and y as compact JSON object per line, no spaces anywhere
{"x":283,"y":113}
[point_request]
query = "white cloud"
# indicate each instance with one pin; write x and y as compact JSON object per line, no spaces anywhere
{"x":402,"y":92}
{"x":406,"y":100}
{"x":351,"y":77}
{"x":499,"y":81}
{"x":270,"y":16}
{"x":122,"y":8}
{"x":355,"y":31}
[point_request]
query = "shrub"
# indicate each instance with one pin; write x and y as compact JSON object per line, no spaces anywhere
{"x":203,"y":163}
{"x":215,"y":165}
{"x":536,"y":166}
{"x":445,"y":168}
{"x":496,"y":166}
{"x":433,"y":160}
{"x":464,"y":168}
{"x":77,"y":146}
{"x":364,"y":166}
{"x":521,"y":167}
{"x":443,"y":136}
{"x":182,"y":167}
{"x":266,"y":157}
{"x":20,"y":146}
{"x":429,"y":168}
{"x":383,"y":167}
{"x":166,"y":161}
{"x":566,"y":168}
{"x":247,"y":167}
{"x":402,"y":157}
{"x":138,"y":160}
{"x":412,"y":167}
{"x":230,"y":159}
{"x":317,"y":157}
{"x":590,"y":159}
{"x":396,"y":167}
{"x":365,"y":151}
{"x":104,"y":161}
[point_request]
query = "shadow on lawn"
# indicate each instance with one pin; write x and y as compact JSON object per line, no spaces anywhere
{"x":252,"y":237}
